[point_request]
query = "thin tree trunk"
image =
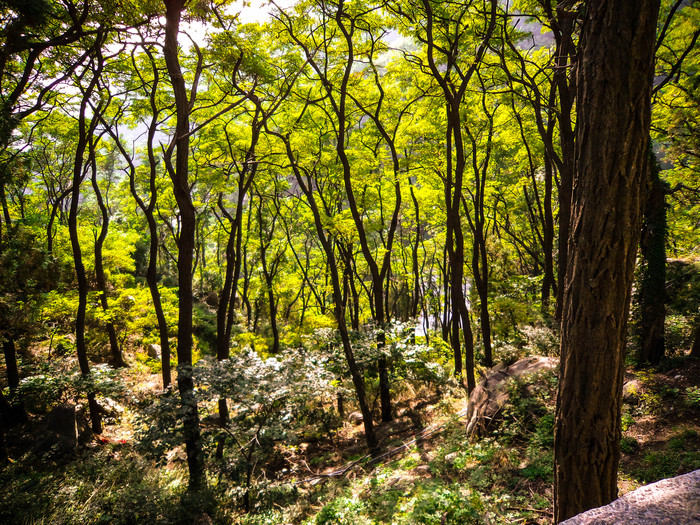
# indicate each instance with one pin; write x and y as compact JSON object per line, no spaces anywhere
{"x":148,"y":211}
{"x":84,"y":131}
{"x":566,"y":88}
{"x":16,"y":412}
{"x":695,"y":349}
{"x":179,"y":176}
{"x":338,"y":308}
{"x":652,"y":274}
{"x":115,"y":350}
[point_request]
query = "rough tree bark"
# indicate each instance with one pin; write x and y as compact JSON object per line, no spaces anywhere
{"x":613,"y":107}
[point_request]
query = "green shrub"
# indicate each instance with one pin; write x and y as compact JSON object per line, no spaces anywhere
{"x":629,"y":445}
{"x":342,"y":511}
{"x":435,"y":505}
{"x":51,"y":385}
{"x":111,"y":486}
{"x":540,"y":465}
{"x":692,"y":396}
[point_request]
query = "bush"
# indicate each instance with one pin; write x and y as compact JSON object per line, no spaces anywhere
{"x":342,"y":511}
{"x":629,"y":445}
{"x":435,"y":505}
{"x":692,"y":396}
{"x":51,"y":386}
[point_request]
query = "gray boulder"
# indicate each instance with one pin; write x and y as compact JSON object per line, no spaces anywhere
{"x":355,"y":418}
{"x":667,"y":502}
{"x":59,"y":432}
{"x":489,"y":396}
{"x":153,"y":351}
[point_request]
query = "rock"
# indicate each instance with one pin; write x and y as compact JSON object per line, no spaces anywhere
{"x":153,"y":351}
{"x":110,"y":408}
{"x":491,"y":394}
{"x":630,"y":392}
{"x":60,"y":430}
{"x":212,"y":299}
{"x":176,"y":456}
{"x":669,"y":501}
{"x":85,"y":433}
{"x":451,"y":457}
{"x":203,"y":519}
{"x":62,"y":421}
{"x":421,"y":470}
{"x":355,"y":418}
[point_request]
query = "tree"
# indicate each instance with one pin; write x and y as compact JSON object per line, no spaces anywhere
{"x":102,"y":203}
{"x":148,"y":86}
{"x":614,"y":110}
{"x":178,"y":172}
{"x":651,"y":294}
{"x":356,"y":40}
{"x":446,"y":31}
{"x":86,"y":127}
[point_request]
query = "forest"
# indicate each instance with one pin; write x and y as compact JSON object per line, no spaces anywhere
{"x":256,"y":268}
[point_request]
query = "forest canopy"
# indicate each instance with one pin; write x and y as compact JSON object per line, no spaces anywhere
{"x":292,"y":219}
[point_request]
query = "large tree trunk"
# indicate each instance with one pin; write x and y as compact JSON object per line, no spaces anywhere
{"x":179,"y":176}
{"x":613,"y":108}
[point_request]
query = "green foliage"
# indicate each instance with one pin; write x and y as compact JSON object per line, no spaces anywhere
{"x":528,"y":414}
{"x":540,"y":466}
{"x":627,"y":421}
{"x":158,"y":425}
{"x":692,"y":396}
{"x":543,"y":437}
{"x":409,"y":359}
{"x":51,"y":385}
{"x":134,"y":307}
{"x":514,"y":304}
{"x":26,"y":270}
{"x":342,"y":511}
{"x":111,"y":485}
{"x":629,"y":445}
{"x":270,"y":400}
{"x":204,"y":321}
{"x":527,"y":340}
{"x":155,"y":366}
{"x":435,"y":504}
{"x":264,"y":74}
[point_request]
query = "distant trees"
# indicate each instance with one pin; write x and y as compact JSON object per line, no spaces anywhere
{"x":345,"y":166}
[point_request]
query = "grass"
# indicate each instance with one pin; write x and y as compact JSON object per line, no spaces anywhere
{"x":679,"y":455}
{"x":109,"y":485}
{"x":500,"y":479}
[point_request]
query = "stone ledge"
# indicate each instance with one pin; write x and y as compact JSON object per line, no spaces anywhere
{"x":673,"y":501}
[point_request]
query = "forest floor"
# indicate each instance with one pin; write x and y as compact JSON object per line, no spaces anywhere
{"x":429,"y":472}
